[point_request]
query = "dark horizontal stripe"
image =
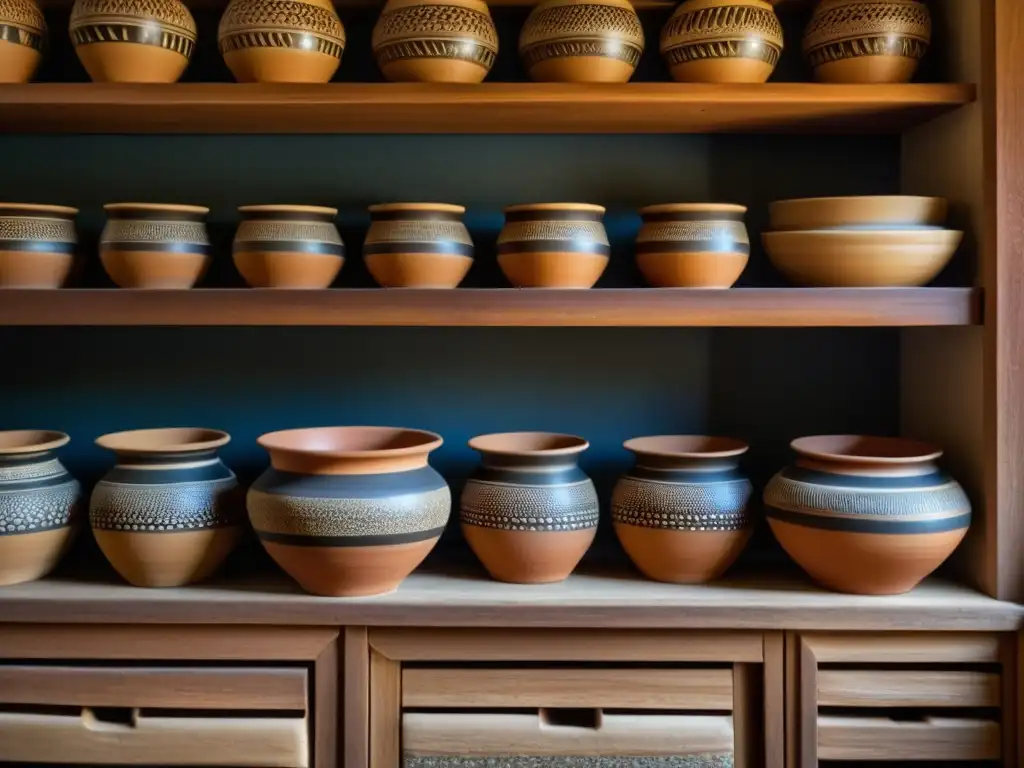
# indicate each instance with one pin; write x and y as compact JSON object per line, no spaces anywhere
{"x":559,"y":476}
{"x":145,"y":215}
{"x":21,"y":460}
{"x":167,"y":457}
{"x":10,"y":33}
{"x":656,"y":218}
{"x":528,"y":461}
{"x":414,"y":216}
{"x":156,"y":34}
{"x":686,"y":476}
{"x":37,"y":483}
{"x":21,"y":213}
{"x":240,"y":41}
{"x":800,"y":474}
{"x":35,"y":530}
{"x":177,"y":247}
{"x":37,"y":246}
{"x":158,"y":476}
{"x":444,"y":247}
{"x":719,"y":245}
{"x":297,"y":540}
{"x":421,"y":480}
{"x":555,"y":246}
{"x":553,"y":215}
{"x":289,"y":246}
{"x":874,"y":525}
{"x":287,"y":216}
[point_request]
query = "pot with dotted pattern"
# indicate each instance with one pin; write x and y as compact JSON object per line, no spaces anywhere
{"x":692,"y":245}
{"x":169,"y":512}
{"x":288,"y":246}
{"x":152,"y":245}
{"x":23,"y":38}
{"x":682,"y":512}
{"x":349,"y":511}
{"x":418,"y":245}
{"x":37,"y":245}
{"x":553,"y":245}
{"x":529,"y":513}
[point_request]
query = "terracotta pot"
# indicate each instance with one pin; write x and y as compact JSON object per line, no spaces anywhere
{"x":281,"y":41}
{"x":582,"y":41}
{"x":170,"y":511}
{"x":865,"y":212}
{"x":37,"y":245}
{"x":869,"y":515}
{"x":349,"y":511}
{"x":692,"y":245}
{"x":722,"y":41}
{"x":418,"y":245}
{"x":435,"y":41}
{"x":553,"y":245}
{"x":288,"y":246}
{"x":867,"y":41}
{"x":682,"y":512}
{"x":529,"y":512}
{"x":23,"y":37}
{"x":39,"y":504}
{"x":150,"y":245}
{"x":133,"y":41}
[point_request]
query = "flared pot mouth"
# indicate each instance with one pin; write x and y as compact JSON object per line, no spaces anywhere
{"x":20,"y":441}
{"x":192,"y":210}
{"x":316,"y":210}
{"x":526,"y":207}
{"x":651,"y":210}
{"x":529,"y":444}
{"x":38,"y":209}
{"x":352,"y":442}
{"x":164,"y":440}
{"x":865,"y":449}
{"x":686,"y":446}
{"x":417,"y":207}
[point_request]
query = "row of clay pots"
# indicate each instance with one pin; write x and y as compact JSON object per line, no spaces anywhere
{"x":350,"y":511}
{"x":456,"y":41}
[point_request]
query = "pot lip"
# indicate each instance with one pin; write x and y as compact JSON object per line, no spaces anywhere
{"x":852,"y":198}
{"x":157,"y":208}
{"x":687,"y":446}
{"x":900,"y":450}
{"x":278,"y":441}
{"x":31,"y":441}
{"x":178,"y":440}
{"x":585,"y":207}
{"x":60,"y":210}
{"x":428,"y":207}
{"x":693,"y":208}
{"x":862,"y":234}
{"x":492,"y":443}
{"x":317,"y":209}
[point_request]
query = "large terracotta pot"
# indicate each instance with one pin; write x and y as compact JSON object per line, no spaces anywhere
{"x":39,"y":504}
{"x":682,"y":512}
{"x":418,"y":245}
{"x":133,"y":41}
{"x":23,"y":37}
{"x":529,"y":512}
{"x":553,"y":245}
{"x":869,"y":515}
{"x":150,"y":245}
{"x":692,"y":245}
{"x":288,"y":246}
{"x":349,"y":511}
{"x":170,"y":511}
{"x":435,"y":41}
{"x":37,"y":245}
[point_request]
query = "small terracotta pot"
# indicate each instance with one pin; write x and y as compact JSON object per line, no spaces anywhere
{"x":582,"y":41}
{"x":23,"y":37}
{"x":868,"y":515}
{"x":349,"y":511}
{"x":418,"y":245}
{"x":435,"y":41}
{"x":553,"y":245}
{"x":150,"y":245}
{"x":133,"y":41}
{"x":37,"y":245}
{"x":39,"y":504}
{"x":288,"y":246}
{"x":529,"y":513}
{"x":170,"y":511}
{"x":692,"y":245}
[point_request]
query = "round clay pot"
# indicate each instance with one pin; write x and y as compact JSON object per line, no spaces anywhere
{"x":418,"y":245}
{"x":133,"y":41}
{"x":39,"y":504}
{"x":288,"y":246}
{"x":868,"y":515}
{"x":692,"y":245}
{"x":23,"y":37}
{"x":281,"y":41}
{"x":150,"y":245}
{"x":553,"y":245}
{"x":529,"y":513}
{"x":581,"y":41}
{"x":682,"y":512}
{"x":867,"y":41}
{"x":435,"y":41}
{"x":170,"y":511}
{"x":349,"y":511}
{"x":37,"y":245}
{"x":722,"y":41}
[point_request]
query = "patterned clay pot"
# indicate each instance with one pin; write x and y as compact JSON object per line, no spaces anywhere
{"x":682,"y":512}
{"x":553,"y":245}
{"x":37,"y":245}
{"x":281,"y":41}
{"x":529,"y":513}
{"x":582,"y":41}
{"x":288,"y":246}
{"x":349,"y":511}
{"x":435,"y":41}
{"x":868,"y":515}
{"x":418,"y":245}
{"x":150,"y":245}
{"x":23,"y":37}
{"x":39,"y":505}
{"x":867,"y":41}
{"x":698,"y":245}
{"x":170,"y":511}
{"x":133,"y":41}
{"x":722,"y":41}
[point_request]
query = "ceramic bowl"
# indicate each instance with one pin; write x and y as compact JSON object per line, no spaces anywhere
{"x":869,"y":211}
{"x":37,"y":245}
{"x":153,"y":245}
{"x":288,"y":246}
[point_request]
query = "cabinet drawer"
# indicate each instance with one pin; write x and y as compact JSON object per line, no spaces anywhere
{"x":931,"y":738}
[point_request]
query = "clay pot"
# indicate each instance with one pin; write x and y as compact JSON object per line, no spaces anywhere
{"x":692,"y":245}
{"x":169,"y":512}
{"x":682,"y":512}
{"x":867,"y":41}
{"x":39,"y":504}
{"x":529,"y":512}
{"x":37,"y":244}
{"x":553,"y":245}
{"x":288,"y":246}
{"x":133,"y":41}
{"x":722,"y":41}
{"x":869,"y":515}
{"x":349,"y":511}
{"x":418,"y":245}
{"x":281,"y":41}
{"x":431,"y":41}
{"x":582,"y":41}
{"x":864,"y":212}
{"x":150,"y":245}
{"x":23,"y":36}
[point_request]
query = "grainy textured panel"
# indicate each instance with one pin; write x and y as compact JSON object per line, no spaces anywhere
{"x":622,"y":761}
{"x":385,"y":711}
{"x":853,"y":738}
{"x":919,"y":648}
{"x":901,"y":688}
{"x":356,"y":702}
{"x":774,"y":700}
{"x":326,"y":725}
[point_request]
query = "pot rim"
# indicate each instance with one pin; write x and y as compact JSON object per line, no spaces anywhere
{"x":61,"y":210}
{"x":318,"y":209}
{"x":177,"y":440}
{"x":894,"y":450}
{"x":20,"y":441}
{"x":661,"y":445}
{"x":492,"y":443}
{"x":156,"y":208}
{"x":848,"y":198}
{"x":430,"y":207}
{"x":587,"y":207}
{"x":693,"y":208}
{"x":277,"y":441}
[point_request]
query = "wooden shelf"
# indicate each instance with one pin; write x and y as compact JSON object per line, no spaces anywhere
{"x":486,"y":108}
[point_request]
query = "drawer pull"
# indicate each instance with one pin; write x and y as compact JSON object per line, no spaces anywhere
{"x":929,"y":738}
{"x":109,"y":719}
{"x":571,"y":718}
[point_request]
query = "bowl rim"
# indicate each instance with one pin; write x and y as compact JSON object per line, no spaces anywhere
{"x":61,"y":210}
{"x":127,"y":441}
{"x":727,"y":447}
{"x":933,"y":233}
{"x":693,"y":208}
{"x":580,"y":207}
{"x":44,"y":440}
{"x":317,"y":209}
{"x":430,"y":442}
{"x":914,"y":451}
{"x":157,"y":208}
{"x":484,"y":443}
{"x":848,"y":198}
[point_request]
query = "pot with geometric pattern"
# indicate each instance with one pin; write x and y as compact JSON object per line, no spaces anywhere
{"x":553,"y":245}
{"x":23,"y":38}
{"x":155,"y":245}
{"x":692,"y":245}
{"x":288,"y":246}
{"x":37,"y":245}
{"x":418,"y":245}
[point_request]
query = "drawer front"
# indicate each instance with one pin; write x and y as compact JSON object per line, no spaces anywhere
{"x":930,"y":738}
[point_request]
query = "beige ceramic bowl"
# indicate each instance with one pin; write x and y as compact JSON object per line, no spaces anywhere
{"x":894,"y":211}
